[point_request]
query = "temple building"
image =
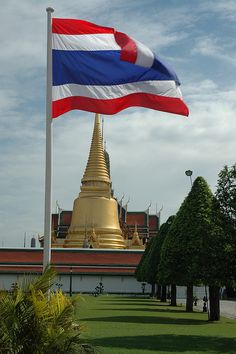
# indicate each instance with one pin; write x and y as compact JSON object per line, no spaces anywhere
{"x":98,"y":241}
{"x":98,"y":220}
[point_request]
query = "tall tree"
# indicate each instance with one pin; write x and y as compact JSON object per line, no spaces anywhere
{"x":226,"y":196}
{"x":148,"y":266}
{"x":216,"y":259}
{"x":226,"y":193}
{"x":140,"y":271}
{"x":164,"y":229}
{"x":153,"y":257}
{"x":182,"y":249}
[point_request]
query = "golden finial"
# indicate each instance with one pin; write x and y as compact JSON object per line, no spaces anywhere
{"x":96,"y":169}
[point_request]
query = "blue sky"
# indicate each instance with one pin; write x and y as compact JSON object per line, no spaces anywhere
{"x":149,"y":150}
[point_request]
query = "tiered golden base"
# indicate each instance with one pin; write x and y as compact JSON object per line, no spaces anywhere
{"x":104,"y":239}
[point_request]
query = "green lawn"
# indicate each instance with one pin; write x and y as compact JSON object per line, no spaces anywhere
{"x":123,"y":324}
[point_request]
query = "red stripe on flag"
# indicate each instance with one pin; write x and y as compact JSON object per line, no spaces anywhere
{"x":112,"y":106}
{"x":128,"y":47}
{"x":71,"y":26}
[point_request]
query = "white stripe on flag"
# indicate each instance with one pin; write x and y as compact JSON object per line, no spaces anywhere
{"x":145,"y":56}
{"x":84,"y":42}
{"x":161,"y":88}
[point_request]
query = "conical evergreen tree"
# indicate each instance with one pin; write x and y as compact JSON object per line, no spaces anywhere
{"x":140,"y":272}
{"x":226,"y":197}
{"x":181,"y":256}
{"x":148,"y":266}
{"x":216,"y":261}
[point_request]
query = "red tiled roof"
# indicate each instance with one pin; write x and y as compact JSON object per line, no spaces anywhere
{"x":65,"y":217}
{"x":54,"y":220}
{"x":138,"y":218}
{"x":153,"y":222}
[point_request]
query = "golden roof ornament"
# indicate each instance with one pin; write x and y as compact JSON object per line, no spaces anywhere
{"x":136,"y":239}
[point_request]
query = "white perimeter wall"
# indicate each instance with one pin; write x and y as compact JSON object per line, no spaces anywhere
{"x":198,"y":291}
{"x":112,"y":284}
{"x":87,"y":283}
{"x":84,"y":283}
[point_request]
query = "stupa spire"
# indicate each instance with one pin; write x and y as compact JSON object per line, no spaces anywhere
{"x":96,"y":169}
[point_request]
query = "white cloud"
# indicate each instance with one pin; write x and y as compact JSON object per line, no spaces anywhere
{"x":213,"y":47}
{"x":223,"y":8}
{"x":9,"y":100}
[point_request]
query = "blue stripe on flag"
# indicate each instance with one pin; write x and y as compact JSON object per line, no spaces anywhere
{"x":102,"y":68}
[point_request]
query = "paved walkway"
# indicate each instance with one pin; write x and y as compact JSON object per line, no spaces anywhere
{"x":227,"y":308}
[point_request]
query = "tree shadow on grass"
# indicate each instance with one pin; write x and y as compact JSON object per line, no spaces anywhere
{"x":148,"y":319}
{"x":166,"y":343}
{"x":135,"y":303}
{"x":130,"y":299}
{"x":143,"y":309}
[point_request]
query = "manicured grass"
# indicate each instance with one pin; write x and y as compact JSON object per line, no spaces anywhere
{"x":123,"y":324}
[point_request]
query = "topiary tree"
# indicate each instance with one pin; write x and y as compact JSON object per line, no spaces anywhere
{"x":226,"y":197}
{"x":182,"y":249}
{"x":197,"y":247}
{"x":226,"y":193}
{"x":216,"y":259}
{"x":141,"y":269}
{"x":150,"y":263}
{"x":147,"y":269}
{"x":164,"y":229}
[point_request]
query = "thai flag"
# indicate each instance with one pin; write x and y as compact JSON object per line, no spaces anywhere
{"x":98,"y":69}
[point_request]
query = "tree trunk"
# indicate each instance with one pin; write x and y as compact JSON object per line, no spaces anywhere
{"x":163,"y":293}
{"x":158,"y":292}
{"x":153,"y":291}
{"x":189,"y":299}
{"x":173,"y":295}
{"x":214,"y":297}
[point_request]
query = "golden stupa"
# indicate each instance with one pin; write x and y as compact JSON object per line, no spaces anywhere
{"x":95,"y":212}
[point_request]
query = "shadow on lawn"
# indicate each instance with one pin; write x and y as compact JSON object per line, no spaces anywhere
{"x":148,"y":319}
{"x":143,"y":309}
{"x":135,"y":303}
{"x":129,"y":299}
{"x":147,"y":302}
{"x":170,"y":343}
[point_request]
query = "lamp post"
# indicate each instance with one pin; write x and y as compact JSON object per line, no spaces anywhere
{"x":70,"y":281}
{"x":189,"y":174}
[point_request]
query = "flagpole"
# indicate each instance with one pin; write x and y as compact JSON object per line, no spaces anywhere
{"x":48,"y":165}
